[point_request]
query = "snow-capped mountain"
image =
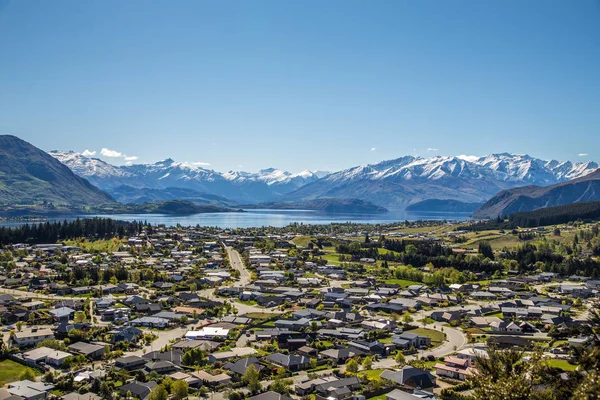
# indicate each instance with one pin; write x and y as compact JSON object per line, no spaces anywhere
{"x":406,"y":180}
{"x":243,"y":187}
{"x":392,"y":184}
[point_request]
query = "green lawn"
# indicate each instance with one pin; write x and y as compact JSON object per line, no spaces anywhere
{"x":562,"y":364}
{"x":380,"y":397}
{"x":437,"y":337}
{"x":401,"y":282}
{"x":302,"y":241}
{"x":371,"y":373}
{"x":332,"y":258}
{"x":10,"y":371}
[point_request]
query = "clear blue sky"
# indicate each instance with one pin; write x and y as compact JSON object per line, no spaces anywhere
{"x":302,"y":84}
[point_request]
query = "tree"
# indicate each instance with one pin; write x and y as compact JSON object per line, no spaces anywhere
{"x":79,"y":317}
{"x":314,"y":326}
{"x":251,"y":379}
{"x":503,"y":375}
{"x":179,"y":389}
{"x":407,"y":319}
{"x":281,"y":386}
{"x":400,"y":359}
{"x":19,"y":325}
{"x":27,"y":375}
{"x":485,"y":248}
{"x":352,"y":366}
{"x":158,"y":393}
{"x":367,"y":363}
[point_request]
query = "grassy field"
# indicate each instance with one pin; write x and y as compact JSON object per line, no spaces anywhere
{"x":302,"y":241}
{"x":101,"y":246}
{"x":10,"y":371}
{"x":437,"y":337}
{"x":562,"y":364}
{"x":332,"y":258}
{"x":401,"y":282}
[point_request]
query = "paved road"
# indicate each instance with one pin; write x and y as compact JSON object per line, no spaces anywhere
{"x":235,"y":261}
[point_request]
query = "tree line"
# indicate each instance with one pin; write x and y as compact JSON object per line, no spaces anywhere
{"x":52,"y":232}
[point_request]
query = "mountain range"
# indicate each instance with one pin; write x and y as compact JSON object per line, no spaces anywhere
{"x":241,"y":187}
{"x":394,"y":184}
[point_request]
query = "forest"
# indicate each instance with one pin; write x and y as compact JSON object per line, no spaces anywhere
{"x":52,"y":232}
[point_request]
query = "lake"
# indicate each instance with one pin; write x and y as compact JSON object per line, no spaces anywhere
{"x":275,"y":218}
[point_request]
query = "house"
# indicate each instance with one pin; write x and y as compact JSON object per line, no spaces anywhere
{"x":239,"y":367}
{"x":371,"y":348}
{"x":62,"y":314}
{"x":270,"y":396}
{"x":454,"y":368}
{"x":32,"y":337}
{"x":45,"y":355}
{"x":152,"y":322}
{"x":289,"y":362}
{"x":212,"y":380}
{"x":90,"y":350}
{"x":161,"y":367}
{"x":138,"y":389}
{"x":125,"y":334}
{"x":173,"y":355}
{"x":236,"y":352}
{"x":417,"y":394}
{"x":406,"y":340}
{"x":339,"y":389}
{"x":338,"y":355}
{"x":130,"y":363}
{"x":78,"y":396}
{"x":29,"y":390}
{"x":208,"y":332}
{"x":410,"y":377}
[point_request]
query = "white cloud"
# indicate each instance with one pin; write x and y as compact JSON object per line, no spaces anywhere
{"x":200,"y":164}
{"x":131,"y":158}
{"x":128,"y":163}
{"x":87,"y":153}
{"x":583,"y":154}
{"x":373,"y":148}
{"x":432,"y":149}
{"x":110,"y":153}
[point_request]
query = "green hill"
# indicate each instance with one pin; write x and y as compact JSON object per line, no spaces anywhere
{"x":31,"y":177}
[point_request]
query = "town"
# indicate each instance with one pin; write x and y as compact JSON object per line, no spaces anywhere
{"x":400,"y":311}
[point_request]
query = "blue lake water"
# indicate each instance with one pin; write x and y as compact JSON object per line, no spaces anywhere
{"x":275,"y":218}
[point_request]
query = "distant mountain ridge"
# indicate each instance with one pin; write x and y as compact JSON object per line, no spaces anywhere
{"x":29,"y":176}
{"x":243,"y":187}
{"x":529,"y":198}
{"x":393,"y":184}
{"x":407,"y":180}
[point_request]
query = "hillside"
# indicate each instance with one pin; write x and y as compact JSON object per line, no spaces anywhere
{"x":557,"y":215}
{"x":128,"y":194}
{"x":29,"y":177}
{"x":434,"y":205}
{"x":174,"y":207}
{"x":331,"y":206}
{"x":530,"y":198}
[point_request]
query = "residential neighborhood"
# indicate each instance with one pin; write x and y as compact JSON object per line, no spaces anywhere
{"x":222,"y":315}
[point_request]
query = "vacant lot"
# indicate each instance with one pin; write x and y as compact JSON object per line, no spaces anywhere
{"x":11,"y":370}
{"x":437,"y":337}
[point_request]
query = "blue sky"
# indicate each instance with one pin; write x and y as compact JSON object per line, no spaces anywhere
{"x":304,"y":84}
